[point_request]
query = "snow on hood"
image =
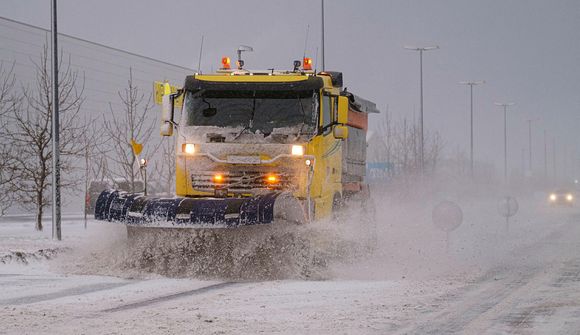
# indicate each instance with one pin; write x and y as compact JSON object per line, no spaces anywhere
{"x":202,"y":134}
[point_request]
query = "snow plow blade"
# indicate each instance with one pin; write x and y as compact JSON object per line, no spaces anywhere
{"x":139,"y":210}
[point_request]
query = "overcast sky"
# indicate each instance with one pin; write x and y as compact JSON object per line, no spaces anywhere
{"x":528,"y":52}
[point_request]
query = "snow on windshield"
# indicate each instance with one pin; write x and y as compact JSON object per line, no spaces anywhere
{"x":256,"y":111}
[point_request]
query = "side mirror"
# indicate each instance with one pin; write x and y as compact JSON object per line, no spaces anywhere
{"x":342,"y":113}
{"x":340,"y":132}
{"x":167,"y":108}
{"x":166,"y":129}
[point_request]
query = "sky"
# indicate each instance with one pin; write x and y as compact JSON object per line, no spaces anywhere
{"x":527,"y":51}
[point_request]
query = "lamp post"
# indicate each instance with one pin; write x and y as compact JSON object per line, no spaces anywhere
{"x":505,"y":106}
{"x":143,"y":166}
{"x":545,"y":157}
{"x":421,"y":138}
{"x":56,"y":211}
{"x":471,"y":84}
{"x":530,"y":142}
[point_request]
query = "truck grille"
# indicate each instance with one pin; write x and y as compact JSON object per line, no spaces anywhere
{"x":240,"y":181}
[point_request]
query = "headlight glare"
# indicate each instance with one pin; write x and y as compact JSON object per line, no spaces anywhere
{"x":188,"y":148}
{"x":297,"y":150}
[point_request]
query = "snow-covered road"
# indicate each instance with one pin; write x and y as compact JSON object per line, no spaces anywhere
{"x":527,"y":283}
{"x":535,"y":291}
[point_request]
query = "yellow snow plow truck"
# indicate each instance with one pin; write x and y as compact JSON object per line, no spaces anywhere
{"x":253,"y":147}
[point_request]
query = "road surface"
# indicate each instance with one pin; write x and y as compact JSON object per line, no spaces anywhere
{"x":534,"y":288}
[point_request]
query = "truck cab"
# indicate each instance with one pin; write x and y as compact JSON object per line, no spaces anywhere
{"x":242,"y":133}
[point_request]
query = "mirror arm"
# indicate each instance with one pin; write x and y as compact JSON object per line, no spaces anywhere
{"x":334,"y":123}
{"x":172,"y":98}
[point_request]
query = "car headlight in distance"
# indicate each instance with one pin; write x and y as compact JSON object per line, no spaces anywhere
{"x":569,"y":197}
{"x":188,"y":148}
{"x":297,"y":150}
{"x":553,"y":197}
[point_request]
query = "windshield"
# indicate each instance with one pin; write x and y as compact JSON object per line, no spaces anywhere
{"x":255,"y":111}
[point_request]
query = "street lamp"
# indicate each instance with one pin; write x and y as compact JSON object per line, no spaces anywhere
{"x":530,"y":140}
{"x":471,"y":84}
{"x":56,"y":201}
{"x":545,"y":157}
{"x":421,"y":139}
{"x":505,"y":106}
{"x":143,"y":166}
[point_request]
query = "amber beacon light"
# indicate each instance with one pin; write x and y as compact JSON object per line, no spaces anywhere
{"x":307,"y":64}
{"x":226,"y":63}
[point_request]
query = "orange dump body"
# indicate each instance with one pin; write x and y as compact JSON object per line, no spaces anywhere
{"x":358,"y":119}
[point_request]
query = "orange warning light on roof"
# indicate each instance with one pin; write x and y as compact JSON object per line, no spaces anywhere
{"x":226,"y":63}
{"x":307,"y":63}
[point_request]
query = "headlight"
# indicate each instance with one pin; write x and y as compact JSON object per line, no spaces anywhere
{"x":297,"y":150}
{"x":188,"y":148}
{"x":569,"y":197}
{"x":553,"y":197}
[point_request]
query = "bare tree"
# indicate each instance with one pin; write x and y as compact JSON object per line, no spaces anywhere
{"x":31,"y":134}
{"x":132,"y":122}
{"x":400,"y":142}
{"x":165,"y":166}
{"x":9,"y":100}
{"x":433,"y":149}
{"x":385,"y":132}
{"x":94,"y":161}
{"x":7,"y":95}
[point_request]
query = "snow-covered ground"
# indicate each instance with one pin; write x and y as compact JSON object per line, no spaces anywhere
{"x":484,"y":279}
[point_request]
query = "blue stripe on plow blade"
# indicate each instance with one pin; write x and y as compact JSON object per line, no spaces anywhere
{"x":137,"y":209}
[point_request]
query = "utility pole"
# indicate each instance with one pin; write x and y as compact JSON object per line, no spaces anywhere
{"x":322,"y":3}
{"x":471,"y":84}
{"x":421,"y":132}
{"x":545,"y":157}
{"x":505,"y":165}
{"x":56,"y":231}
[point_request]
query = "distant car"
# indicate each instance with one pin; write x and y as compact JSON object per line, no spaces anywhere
{"x":98,"y":186}
{"x":561,"y":198}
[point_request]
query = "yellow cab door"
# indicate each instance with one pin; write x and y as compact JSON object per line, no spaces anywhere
{"x":329,"y":160}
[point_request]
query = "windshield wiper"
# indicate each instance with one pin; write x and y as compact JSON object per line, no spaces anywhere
{"x":209,"y":111}
{"x":251,"y":121}
{"x":303,"y":118}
